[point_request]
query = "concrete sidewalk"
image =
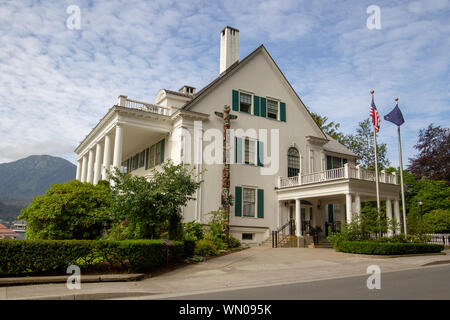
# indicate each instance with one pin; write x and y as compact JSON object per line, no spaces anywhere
{"x":257,"y":266}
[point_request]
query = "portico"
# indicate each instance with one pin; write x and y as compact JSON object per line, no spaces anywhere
{"x":333,"y":198}
{"x":125,"y":129}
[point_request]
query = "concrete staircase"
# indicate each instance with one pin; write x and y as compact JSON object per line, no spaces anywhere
{"x":323,"y":243}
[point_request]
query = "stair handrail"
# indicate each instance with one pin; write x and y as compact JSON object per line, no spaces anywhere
{"x":279,"y":236}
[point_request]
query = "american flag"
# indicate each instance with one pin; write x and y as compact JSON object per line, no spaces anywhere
{"x":375,"y":116}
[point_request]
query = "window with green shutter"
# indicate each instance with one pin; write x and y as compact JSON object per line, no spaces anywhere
{"x":262,"y":109}
{"x":283,"y":111}
{"x":238,"y":201}
{"x":260,"y":203}
{"x":256,"y":105}
{"x":238,"y":148}
{"x":235,"y":101}
{"x":260,"y":154}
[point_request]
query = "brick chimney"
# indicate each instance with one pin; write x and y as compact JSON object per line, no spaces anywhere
{"x":229,"y":47}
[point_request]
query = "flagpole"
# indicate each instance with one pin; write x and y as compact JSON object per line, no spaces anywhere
{"x":401,"y":178}
{"x":376,"y":171}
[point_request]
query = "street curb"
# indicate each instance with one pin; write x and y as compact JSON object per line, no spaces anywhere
{"x":21,"y":281}
{"x":401,"y":255}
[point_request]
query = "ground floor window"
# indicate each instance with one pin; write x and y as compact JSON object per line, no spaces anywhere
{"x":249,"y":203}
{"x":247,"y":236}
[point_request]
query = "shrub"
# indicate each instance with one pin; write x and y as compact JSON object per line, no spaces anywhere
{"x":233,"y":242}
{"x":189,"y":248}
{"x":70,"y":210}
{"x":205,"y":248}
{"x":193,"y":230}
{"x":387,"y":248}
{"x":25,"y":257}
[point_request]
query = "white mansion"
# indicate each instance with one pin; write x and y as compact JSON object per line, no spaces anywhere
{"x":316,"y":181}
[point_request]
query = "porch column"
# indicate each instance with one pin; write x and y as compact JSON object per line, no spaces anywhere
{"x":78,"y":176}
{"x":118,"y":141}
{"x":280,"y":214}
{"x":106,"y":157}
{"x":397,"y":214}
{"x":357,"y":203}
{"x":298,"y":218}
{"x":98,"y":154}
{"x":389,"y":215}
{"x":348,"y":205}
{"x":90,"y":170}
{"x":84,"y":168}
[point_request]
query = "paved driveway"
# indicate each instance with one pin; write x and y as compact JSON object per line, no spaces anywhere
{"x":253,"y":267}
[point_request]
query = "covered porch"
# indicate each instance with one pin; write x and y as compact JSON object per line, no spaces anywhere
{"x":330,"y":199}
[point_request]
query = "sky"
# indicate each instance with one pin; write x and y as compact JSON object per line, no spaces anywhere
{"x":56,"y":81}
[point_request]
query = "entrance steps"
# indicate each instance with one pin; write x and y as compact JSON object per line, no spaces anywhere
{"x":295,"y":242}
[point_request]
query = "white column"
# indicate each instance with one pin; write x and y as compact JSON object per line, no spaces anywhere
{"x":78,"y":176}
{"x":90,"y":169}
{"x":118,"y":141}
{"x":84,"y":168}
{"x":357,"y":204}
{"x":106,"y":157}
{"x":348,"y":205}
{"x":279,"y":222}
{"x":346,"y":171}
{"x":389,"y":215}
{"x":298,"y":218}
{"x":358,"y":171}
{"x":98,"y":163}
{"x":397,"y":213}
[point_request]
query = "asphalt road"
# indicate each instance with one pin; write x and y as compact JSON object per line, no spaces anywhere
{"x":428,"y":283}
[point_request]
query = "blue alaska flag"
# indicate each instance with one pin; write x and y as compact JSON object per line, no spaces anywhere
{"x":395,"y":116}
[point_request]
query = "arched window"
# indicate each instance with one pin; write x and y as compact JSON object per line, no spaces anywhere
{"x":293,"y":162}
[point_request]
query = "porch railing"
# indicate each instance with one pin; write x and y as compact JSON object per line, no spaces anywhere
{"x":346,"y":172}
{"x":283,"y":233}
{"x":144,"y":106}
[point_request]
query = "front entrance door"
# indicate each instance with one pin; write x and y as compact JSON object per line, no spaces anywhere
{"x":292,"y":219}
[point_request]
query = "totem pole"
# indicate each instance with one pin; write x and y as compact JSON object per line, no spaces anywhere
{"x":226,"y":198}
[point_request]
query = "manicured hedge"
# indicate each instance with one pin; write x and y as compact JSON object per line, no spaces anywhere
{"x":386,"y":248}
{"x":22,"y":257}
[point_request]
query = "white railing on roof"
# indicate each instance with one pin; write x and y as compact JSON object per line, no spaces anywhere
{"x":126,"y":102}
{"x":346,"y":172}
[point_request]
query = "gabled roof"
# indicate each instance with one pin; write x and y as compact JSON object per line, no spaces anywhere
{"x":334,"y":146}
{"x":6,"y":232}
{"x":232,"y":69}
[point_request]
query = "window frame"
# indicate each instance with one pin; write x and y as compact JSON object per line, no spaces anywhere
{"x":250,"y":106}
{"x":255,"y":202}
{"x":267,"y":108}
{"x":255,"y":157}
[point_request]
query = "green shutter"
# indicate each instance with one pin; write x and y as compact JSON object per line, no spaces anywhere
{"x":238,"y":201}
{"x":263,"y":108}
{"x":162,"y":150}
{"x":330,"y":213}
{"x":260,"y":203}
{"x":329,"y":163}
{"x":283,"y":111}
{"x":147,"y":151}
{"x":256,"y":105}
{"x":238,"y":148}
{"x":235,"y":100}
{"x":260,"y":151}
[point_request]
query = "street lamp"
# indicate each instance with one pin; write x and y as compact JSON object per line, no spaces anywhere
{"x":421,"y":204}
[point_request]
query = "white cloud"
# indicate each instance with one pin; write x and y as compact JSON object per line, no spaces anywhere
{"x":57,"y":83}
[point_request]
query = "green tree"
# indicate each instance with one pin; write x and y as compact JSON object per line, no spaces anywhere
{"x":331,"y":128}
{"x":144,"y":209}
{"x":70,"y":210}
{"x":433,"y":160}
{"x":437,"y":221}
{"x":362,"y":144}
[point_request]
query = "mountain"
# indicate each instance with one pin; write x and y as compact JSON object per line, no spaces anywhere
{"x":22,"y":180}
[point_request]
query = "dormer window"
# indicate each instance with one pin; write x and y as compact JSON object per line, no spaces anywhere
{"x":245,"y":102}
{"x":272,"y":109}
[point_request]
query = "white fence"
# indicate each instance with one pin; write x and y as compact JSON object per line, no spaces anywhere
{"x":441,"y":238}
{"x":346,"y":172}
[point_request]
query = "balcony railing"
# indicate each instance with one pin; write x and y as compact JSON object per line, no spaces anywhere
{"x":144,"y":106}
{"x":346,"y":172}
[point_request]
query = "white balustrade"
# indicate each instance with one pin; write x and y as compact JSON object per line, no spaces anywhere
{"x":347,"y":172}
